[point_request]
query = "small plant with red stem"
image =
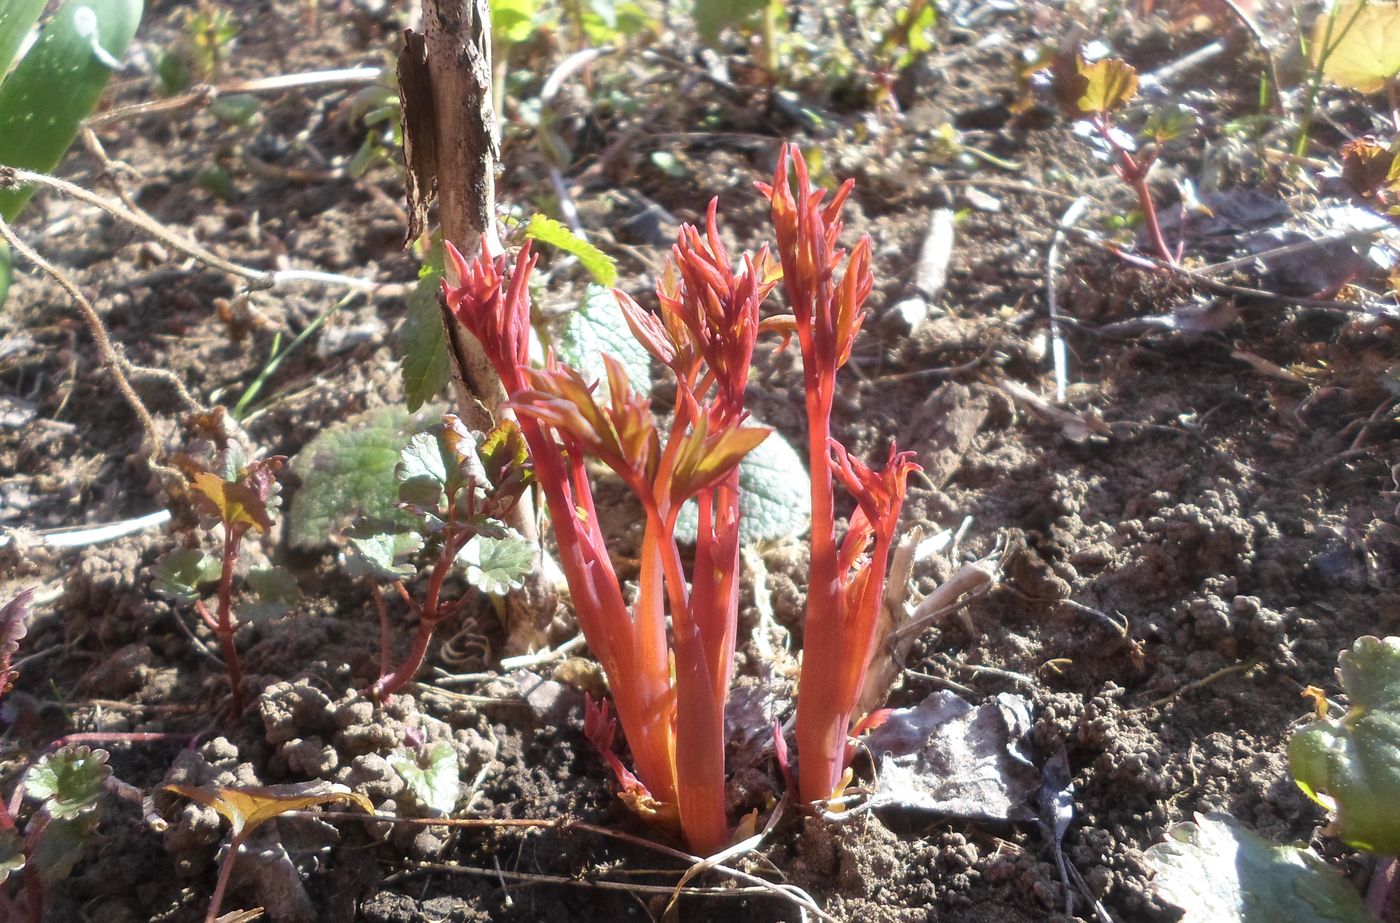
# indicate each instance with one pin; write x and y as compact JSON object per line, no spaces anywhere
{"x":670,"y":690}
{"x":241,"y":498}
{"x":458,"y":486}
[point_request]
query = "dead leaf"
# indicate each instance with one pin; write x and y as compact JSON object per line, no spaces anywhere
{"x":247,"y":808}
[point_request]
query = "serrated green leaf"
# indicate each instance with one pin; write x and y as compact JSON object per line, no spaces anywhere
{"x":431,"y":776}
{"x":712,"y":17}
{"x":1351,"y":765}
{"x":546,"y":230}
{"x":427,"y":368}
{"x":58,"y":83}
{"x":11,"y":853}
{"x":1361,"y":41}
{"x":421,"y":472}
{"x":497,"y":565}
{"x":179,"y":573}
{"x":1169,"y":122}
{"x":276,"y":589}
{"x":374,"y":554}
{"x":68,"y":781}
{"x":347,"y":471}
{"x":775,"y":496}
{"x":1218,"y":872}
{"x":600,"y":327}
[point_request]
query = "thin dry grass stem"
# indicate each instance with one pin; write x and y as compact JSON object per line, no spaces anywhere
{"x":257,"y":279}
{"x":757,"y":885}
{"x":1242,"y":667}
{"x":111,"y":358}
{"x":203,"y":96}
{"x":1052,"y":305}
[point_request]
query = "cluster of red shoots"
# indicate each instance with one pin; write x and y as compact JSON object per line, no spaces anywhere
{"x":670,"y":691}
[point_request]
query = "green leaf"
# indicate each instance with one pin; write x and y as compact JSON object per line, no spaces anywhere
{"x":513,"y":21}
{"x":427,"y":368}
{"x":712,"y":17}
{"x":11,"y":853}
{"x":1363,"y":48}
{"x":58,"y":83}
{"x":498,"y":565}
{"x":600,"y":327}
{"x":1351,"y":765}
{"x":431,"y":776}
{"x":61,"y":846}
{"x":1109,"y":84}
{"x":775,"y":496}
{"x":68,"y":781}
{"x":179,"y":573}
{"x":374,"y":553}
{"x":1169,"y":122}
{"x":421,"y":472}
{"x":1218,"y":872}
{"x":17,"y":17}
{"x":277,"y":592}
{"x":546,"y":230}
{"x":347,"y":471}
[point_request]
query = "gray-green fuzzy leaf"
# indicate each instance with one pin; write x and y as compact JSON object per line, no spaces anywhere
{"x":276,"y":590}
{"x":1218,"y":872}
{"x":347,"y":471}
{"x":375,"y":554}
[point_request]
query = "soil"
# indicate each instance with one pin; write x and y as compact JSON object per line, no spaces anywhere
{"x":1184,"y":551}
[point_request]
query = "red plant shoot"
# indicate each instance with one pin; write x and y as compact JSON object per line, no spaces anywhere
{"x":846,"y":584}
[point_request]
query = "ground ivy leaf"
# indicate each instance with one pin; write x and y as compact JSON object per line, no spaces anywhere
{"x":68,"y":781}
{"x":60,"y":847}
{"x":1364,"y":44}
{"x":1218,"y":872}
{"x":347,"y":471}
{"x":498,"y":565}
{"x":600,"y":327}
{"x":277,"y":592}
{"x":427,"y":368}
{"x":1351,"y":765}
{"x":248,"y":808}
{"x":179,"y":573}
{"x":431,"y":776}
{"x":599,"y":265}
{"x":775,"y":495}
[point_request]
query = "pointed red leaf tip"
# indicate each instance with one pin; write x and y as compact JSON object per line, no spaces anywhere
{"x":622,"y":434}
{"x":497,"y":316}
{"x":600,"y":727}
{"x":828,"y":313}
{"x":879,"y":493}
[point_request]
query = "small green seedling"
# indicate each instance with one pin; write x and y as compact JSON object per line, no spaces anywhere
{"x":459,"y":488}
{"x":201,"y":51}
{"x":54,"y":86}
{"x":240,"y":496}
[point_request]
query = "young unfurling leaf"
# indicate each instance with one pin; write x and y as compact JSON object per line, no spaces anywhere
{"x":430,"y":772}
{"x":180,"y":572}
{"x":68,"y":781}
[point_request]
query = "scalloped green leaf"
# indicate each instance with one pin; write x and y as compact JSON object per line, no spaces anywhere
{"x":1361,"y":42}
{"x":370,"y":553}
{"x":180,"y":572}
{"x":61,"y":846}
{"x":347,"y":472}
{"x":1351,"y":765}
{"x":11,"y":853}
{"x":775,"y":495}
{"x":497,"y":565}
{"x":68,"y":781}
{"x":1219,"y":872}
{"x":431,"y":776}
{"x":602,"y":267}
{"x":599,"y":327}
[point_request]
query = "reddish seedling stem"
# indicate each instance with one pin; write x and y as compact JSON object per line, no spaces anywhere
{"x":1134,"y":172}
{"x":223,"y":625}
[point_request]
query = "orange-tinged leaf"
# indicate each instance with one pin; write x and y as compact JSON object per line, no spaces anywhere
{"x":1108,"y":85}
{"x":233,"y":502}
{"x":248,"y":808}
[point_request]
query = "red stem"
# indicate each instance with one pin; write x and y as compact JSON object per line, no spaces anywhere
{"x":226,"y":628}
{"x":1135,"y":173}
{"x":225,"y":872}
